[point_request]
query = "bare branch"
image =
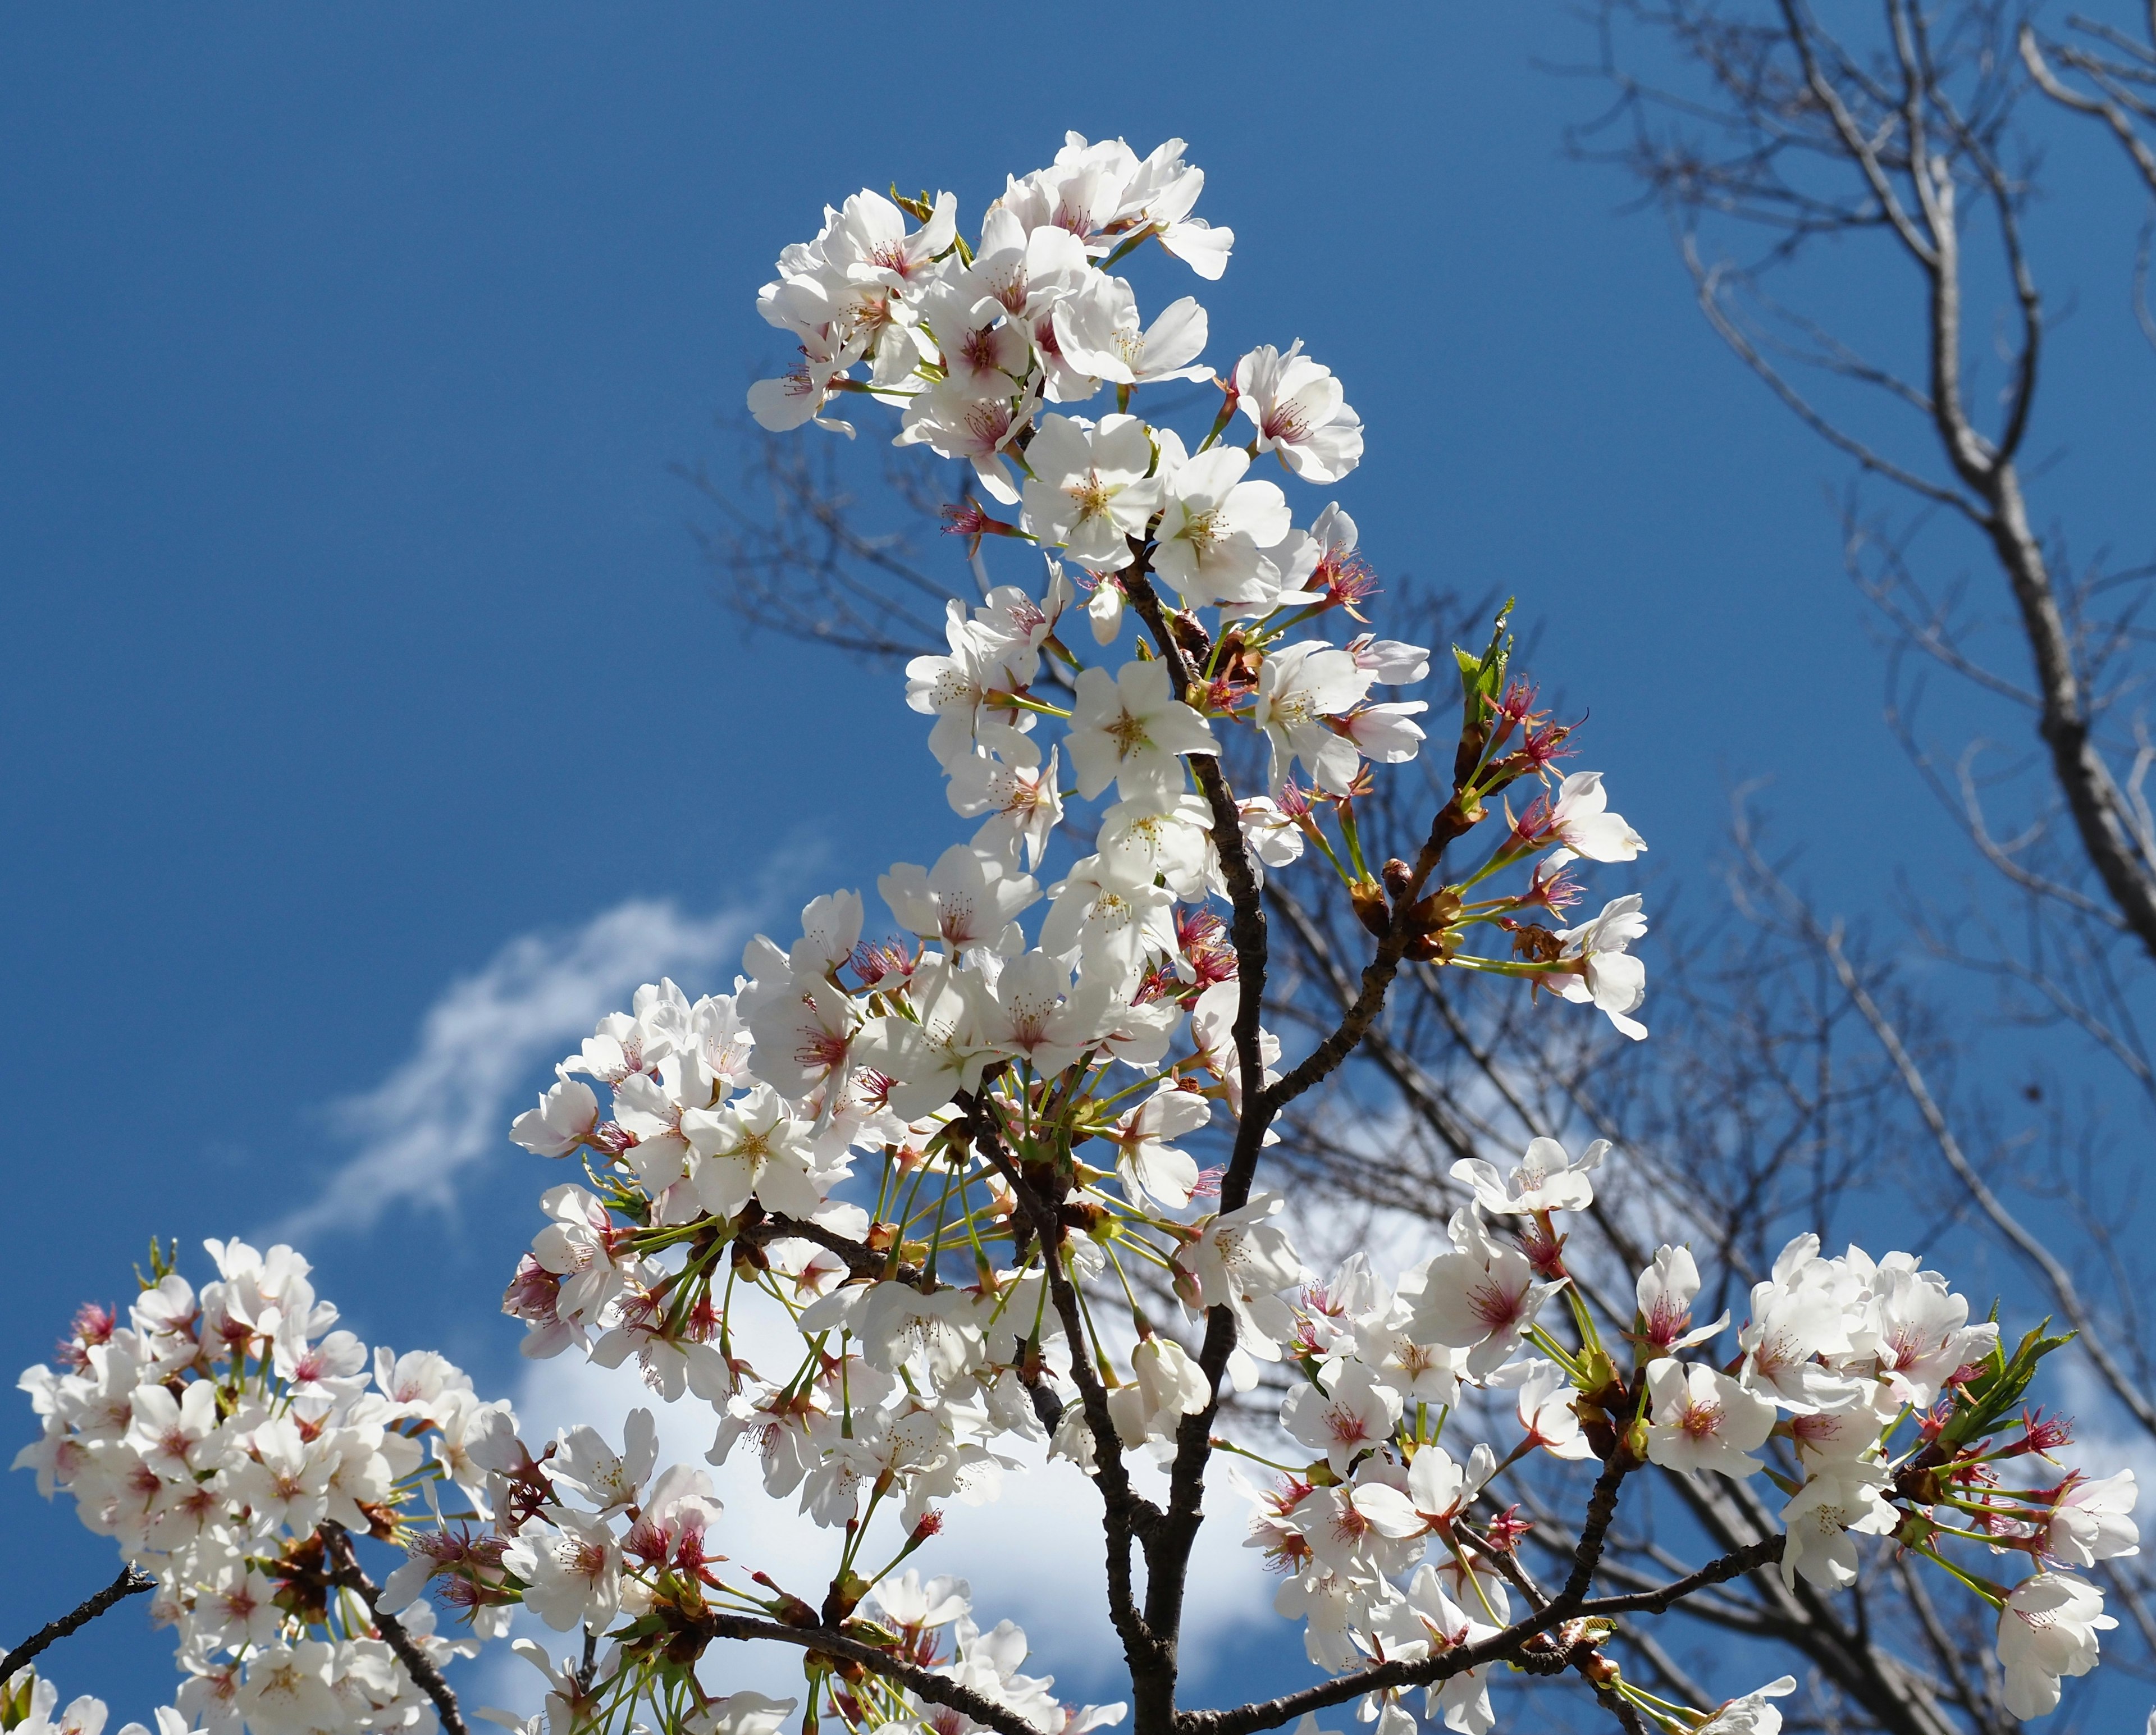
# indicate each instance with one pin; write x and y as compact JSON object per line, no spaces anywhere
{"x":2110,"y":109}
{"x":132,"y":1581}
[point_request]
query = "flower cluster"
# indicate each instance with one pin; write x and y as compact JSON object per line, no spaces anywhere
{"x":915,"y":1206}
{"x":232,"y":1442}
{"x":1887,"y":1414}
{"x":972,"y":342}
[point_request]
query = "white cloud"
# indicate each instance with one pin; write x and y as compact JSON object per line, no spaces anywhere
{"x":448,"y":1105}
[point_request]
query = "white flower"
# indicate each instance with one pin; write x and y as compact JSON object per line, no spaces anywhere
{"x":288,"y":1689}
{"x":1368,"y":1529}
{"x":941,"y":1050}
{"x":1129,"y":728}
{"x":1158,"y":197}
{"x":1166,"y":1386}
{"x":1021,"y":800}
{"x":1090,"y":491}
{"x":568,"y":1115}
{"x":953,"y":688}
{"x":1545,"y":1408}
{"x":803,"y":1029}
{"x":1023,"y":275}
{"x":2093,"y":1521}
{"x":1440,"y":1487}
{"x":1356,"y":1416}
{"x":1391,"y":663}
{"x":1097,"y":330}
{"x":1158,"y":833}
{"x":1307,"y":564}
{"x":966,"y":900}
{"x":572,"y":1569}
{"x":237,"y":1610}
{"x":1103,"y":194}
{"x":1104,"y":609}
{"x":2048,"y":1629}
{"x":1036,"y":1018}
{"x":741,"y":1713}
{"x":1428,"y":1372}
{"x":609,"y":1481}
{"x":901,"y":1326}
{"x":1665,"y":1291}
{"x":1703,"y":1420}
{"x":1462,"y":1700}
{"x":782,"y":404}
{"x":286,"y":1479}
{"x":1797,"y":1318}
{"x":916,"y":1607}
{"x":1922,"y":1330}
{"x":1213,"y":526}
{"x":1149,"y":1167}
{"x":1300,"y":687}
{"x":1300,"y":411}
{"x":1614,"y":980}
{"x":1110,"y":924}
{"x":1241,"y":1261}
{"x":982,"y":355}
{"x":1819,"y":1517}
{"x":1270,"y":835}
{"x":978,"y":417}
{"x":1546,"y":1179}
{"x":578,"y":1246}
{"x":1579,"y":820}
{"x":650,"y":1109}
{"x":1752,"y":1715}
{"x":1382,"y":733}
{"x":175,"y":1436}
{"x":753,"y":1146}
{"x":868,"y":239}
{"x":85,"y":1714}
{"x":1482,"y":1297}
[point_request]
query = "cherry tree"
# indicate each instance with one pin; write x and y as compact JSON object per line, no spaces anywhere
{"x":952,"y":1163}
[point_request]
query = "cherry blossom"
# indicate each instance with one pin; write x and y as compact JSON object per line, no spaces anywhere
{"x":897,"y":1211}
{"x":1166,"y":1386}
{"x":1090,"y":490}
{"x":1300,"y":689}
{"x":1213,"y":526}
{"x":1703,"y":1419}
{"x":1546,"y":1179}
{"x":1580,"y":821}
{"x":1609,"y":977}
{"x":1299,"y":412}
{"x":1820,"y":1518}
{"x":2047,"y":1630}
{"x":1097,"y":331}
{"x":1130,"y":729}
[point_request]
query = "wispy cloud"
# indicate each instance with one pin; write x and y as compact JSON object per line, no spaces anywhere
{"x":447,"y":1105}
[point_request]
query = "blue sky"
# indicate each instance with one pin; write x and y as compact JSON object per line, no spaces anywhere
{"x":361,"y":649}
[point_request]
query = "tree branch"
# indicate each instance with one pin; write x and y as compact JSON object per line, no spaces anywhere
{"x":416,"y":1664}
{"x":132,"y":1581}
{"x":927,"y":1683}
